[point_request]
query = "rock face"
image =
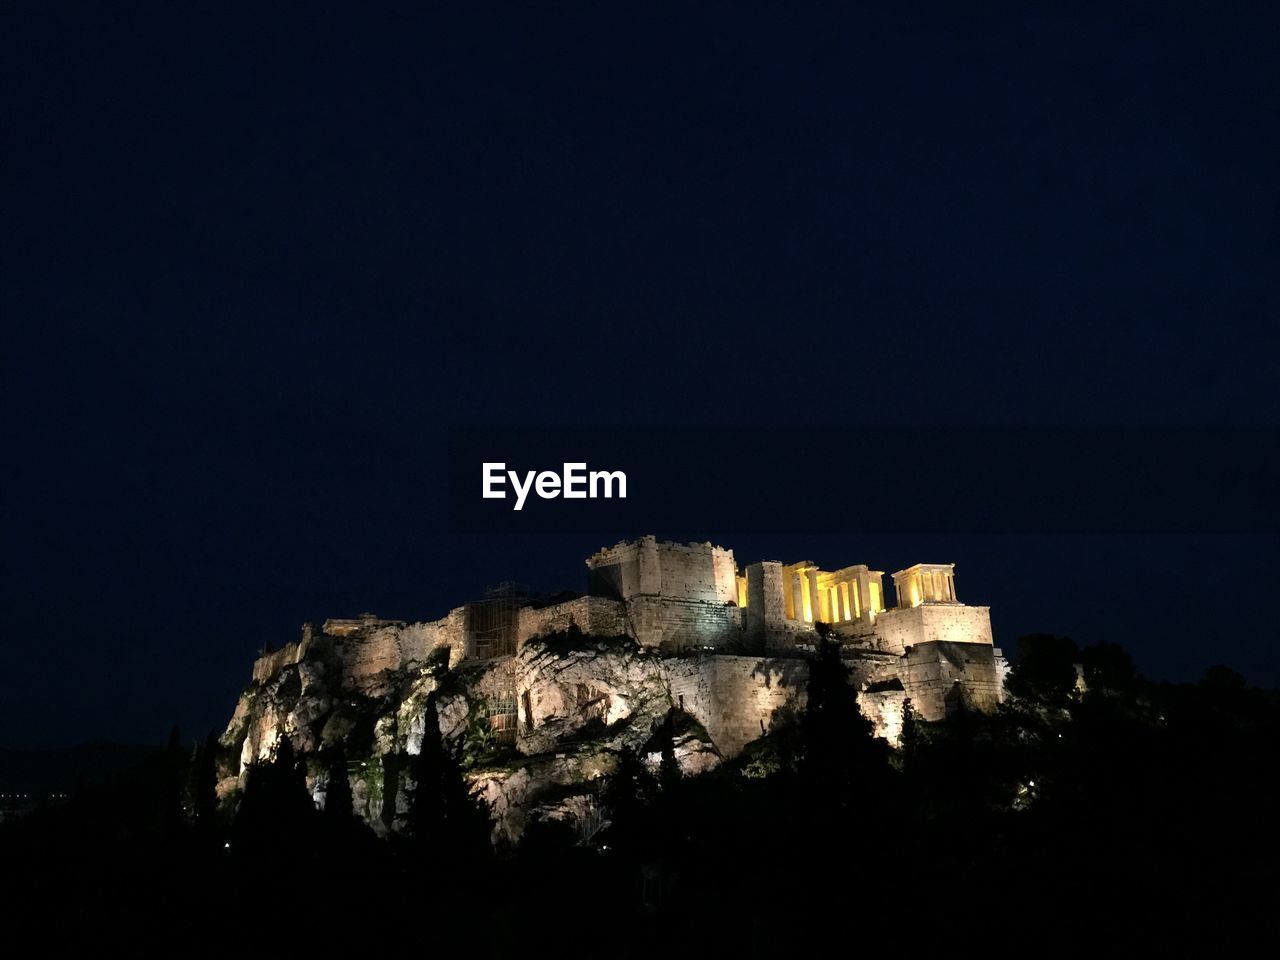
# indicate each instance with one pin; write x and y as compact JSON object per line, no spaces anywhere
{"x":537,"y":754}
{"x":535,"y":730}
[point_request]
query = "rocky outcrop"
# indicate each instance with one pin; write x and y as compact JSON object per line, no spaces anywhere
{"x":557,"y":787}
{"x":616,"y":685}
{"x":535,"y":731}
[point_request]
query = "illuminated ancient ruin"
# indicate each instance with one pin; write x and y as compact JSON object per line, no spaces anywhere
{"x":691,"y":600}
{"x":660,"y":627}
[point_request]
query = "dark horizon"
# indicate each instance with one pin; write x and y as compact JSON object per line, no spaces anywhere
{"x":256,"y":269}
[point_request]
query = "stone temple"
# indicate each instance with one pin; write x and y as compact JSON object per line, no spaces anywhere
{"x":731,"y":640}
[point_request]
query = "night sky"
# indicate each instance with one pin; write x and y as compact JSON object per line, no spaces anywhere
{"x":256,"y":266}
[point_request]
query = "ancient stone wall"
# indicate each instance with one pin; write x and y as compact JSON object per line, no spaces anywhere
{"x":674,"y":625}
{"x":269,"y":664}
{"x":764,"y":620}
{"x":724,"y":570}
{"x":871,"y":667}
{"x":366,"y":654}
{"x":598,"y":616}
{"x":1002,"y":671}
{"x":452,"y":633}
{"x":942,"y":677}
{"x":904,"y":627}
{"x":418,"y":641}
{"x":745,"y":692}
{"x":624,"y":570}
{"x":689,"y":683}
{"x":734,"y":697}
{"x":646,"y":567}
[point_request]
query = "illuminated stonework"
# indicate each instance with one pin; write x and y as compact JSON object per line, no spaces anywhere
{"x":925,"y":583}
{"x":692,"y":598}
{"x":726,"y":646}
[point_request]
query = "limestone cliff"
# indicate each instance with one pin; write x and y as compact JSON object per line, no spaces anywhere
{"x":580,"y":701}
{"x":535,"y":730}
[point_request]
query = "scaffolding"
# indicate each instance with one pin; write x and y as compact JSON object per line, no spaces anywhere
{"x":593,"y":818}
{"x":493,"y":623}
{"x":504,"y":721}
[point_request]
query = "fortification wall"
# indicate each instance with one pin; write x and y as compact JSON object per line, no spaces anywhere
{"x":623,"y":570}
{"x":746,"y":691}
{"x":684,"y":624}
{"x":418,"y":641}
{"x":269,"y":664}
{"x":1002,"y":671}
{"x":364,"y":655}
{"x":735,"y":697}
{"x":790,"y":635}
{"x":688,"y":681}
{"x":367,"y":653}
{"x":599,"y":616}
{"x":764,"y":619}
{"x":452,"y":633}
{"x":942,"y":677}
{"x":646,"y":567}
{"x":904,"y":627}
{"x":870,"y":667}
{"x":724,"y":572}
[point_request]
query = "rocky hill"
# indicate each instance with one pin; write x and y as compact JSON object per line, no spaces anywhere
{"x":581,"y":701}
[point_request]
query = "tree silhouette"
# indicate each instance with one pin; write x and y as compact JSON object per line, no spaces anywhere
{"x":626,"y":793}
{"x":338,"y":803}
{"x":276,"y":814}
{"x":668,"y":768}
{"x":203,"y":791}
{"x":1045,"y":673}
{"x":911,"y":738}
{"x":837,"y":744}
{"x":443,"y":815}
{"x":1108,"y":669}
{"x":426,"y":819}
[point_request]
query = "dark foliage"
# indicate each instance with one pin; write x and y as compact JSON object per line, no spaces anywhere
{"x":839,"y":759}
{"x":1108,"y":668}
{"x":276,"y":816}
{"x":445,"y":821}
{"x":338,"y":803}
{"x":1045,"y":672}
{"x":627,"y":794}
{"x":203,"y":792}
{"x":668,"y":768}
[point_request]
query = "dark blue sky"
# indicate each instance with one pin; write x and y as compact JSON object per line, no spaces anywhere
{"x":255,"y":265}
